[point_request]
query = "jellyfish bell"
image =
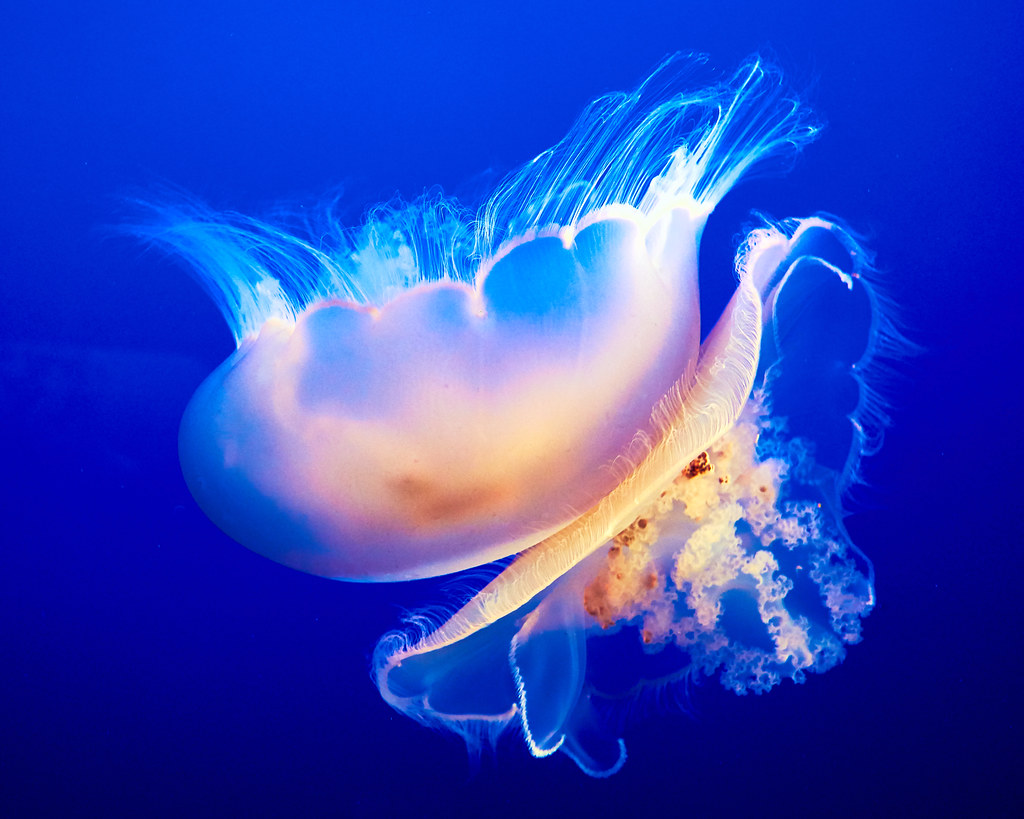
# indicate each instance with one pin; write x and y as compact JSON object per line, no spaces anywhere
{"x":457,"y":423}
{"x":436,"y":391}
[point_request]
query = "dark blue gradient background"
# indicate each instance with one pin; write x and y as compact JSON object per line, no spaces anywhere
{"x":151,"y":667}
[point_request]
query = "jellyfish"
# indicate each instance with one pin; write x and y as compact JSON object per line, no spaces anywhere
{"x":531,"y":388}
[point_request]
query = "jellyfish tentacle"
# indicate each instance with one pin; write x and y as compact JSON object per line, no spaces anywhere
{"x":593,"y":751}
{"x":548,"y":656}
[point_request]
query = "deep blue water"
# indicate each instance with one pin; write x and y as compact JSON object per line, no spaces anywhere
{"x":150,"y":666}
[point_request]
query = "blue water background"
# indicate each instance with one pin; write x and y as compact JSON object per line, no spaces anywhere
{"x":149,"y":666}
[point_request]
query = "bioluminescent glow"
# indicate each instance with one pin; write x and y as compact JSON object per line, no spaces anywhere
{"x":439,"y":389}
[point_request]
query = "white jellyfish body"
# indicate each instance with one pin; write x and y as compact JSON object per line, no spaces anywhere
{"x":432,"y":393}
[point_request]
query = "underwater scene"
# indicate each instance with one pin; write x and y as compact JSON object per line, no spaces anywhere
{"x":427,"y":409}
